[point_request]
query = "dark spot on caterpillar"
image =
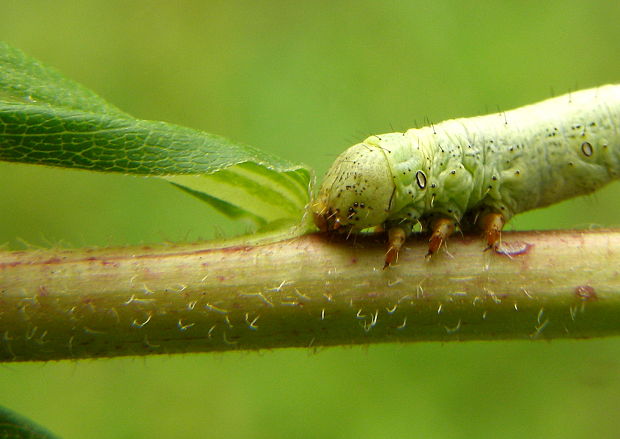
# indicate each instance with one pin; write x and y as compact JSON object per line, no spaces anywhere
{"x":494,"y":178}
{"x":586,"y":149}
{"x":420,"y":178}
{"x":452,"y":172}
{"x":585,"y":292}
{"x":355,"y":204}
{"x":571,"y":164}
{"x":362,"y":205}
{"x":517,"y":172}
{"x":433,"y":185}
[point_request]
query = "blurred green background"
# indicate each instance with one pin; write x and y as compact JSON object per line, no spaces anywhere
{"x":305,"y":80}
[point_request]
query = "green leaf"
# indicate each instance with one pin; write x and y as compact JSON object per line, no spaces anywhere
{"x":46,"y":119}
{"x":14,"y":426}
{"x":26,"y":80}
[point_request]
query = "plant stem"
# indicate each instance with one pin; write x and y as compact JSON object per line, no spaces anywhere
{"x":305,"y":292}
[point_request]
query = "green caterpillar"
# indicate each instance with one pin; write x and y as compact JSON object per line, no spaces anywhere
{"x":477,"y":171}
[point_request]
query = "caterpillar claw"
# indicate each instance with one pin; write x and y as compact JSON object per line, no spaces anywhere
{"x":390,"y":257}
{"x":442,"y":229}
{"x":396,"y":239}
{"x":491,"y":224}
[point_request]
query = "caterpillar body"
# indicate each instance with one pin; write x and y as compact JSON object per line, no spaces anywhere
{"x":477,"y":171}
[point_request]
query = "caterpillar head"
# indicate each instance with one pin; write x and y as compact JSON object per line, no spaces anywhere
{"x":356,"y":192}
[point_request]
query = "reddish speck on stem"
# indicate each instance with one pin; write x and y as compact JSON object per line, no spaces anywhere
{"x":586,"y":292}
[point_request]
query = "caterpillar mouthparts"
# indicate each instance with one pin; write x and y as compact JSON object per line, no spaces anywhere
{"x":357,"y":191}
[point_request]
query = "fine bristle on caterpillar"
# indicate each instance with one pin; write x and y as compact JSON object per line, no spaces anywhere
{"x":474,"y":172}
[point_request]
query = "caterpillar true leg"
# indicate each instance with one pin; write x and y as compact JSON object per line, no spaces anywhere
{"x":442,"y":229}
{"x":491,"y":224}
{"x":396,"y":238}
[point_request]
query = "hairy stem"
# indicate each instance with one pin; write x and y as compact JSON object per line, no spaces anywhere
{"x":306,"y":292}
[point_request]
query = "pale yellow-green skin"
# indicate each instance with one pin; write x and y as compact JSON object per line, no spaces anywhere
{"x":506,"y":162}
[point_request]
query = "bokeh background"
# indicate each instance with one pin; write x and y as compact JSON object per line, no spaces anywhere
{"x":304,"y":80}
